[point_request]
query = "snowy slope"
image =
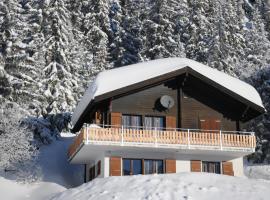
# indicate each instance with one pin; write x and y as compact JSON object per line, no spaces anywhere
{"x":195,"y":186}
{"x":57,"y":174}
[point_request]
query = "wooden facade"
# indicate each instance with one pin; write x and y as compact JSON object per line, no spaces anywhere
{"x":192,"y":113}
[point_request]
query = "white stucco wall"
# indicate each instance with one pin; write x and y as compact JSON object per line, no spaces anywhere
{"x":182,"y":166}
{"x":238,"y":167}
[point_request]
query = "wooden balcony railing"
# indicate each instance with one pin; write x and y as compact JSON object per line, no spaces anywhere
{"x":187,"y":138}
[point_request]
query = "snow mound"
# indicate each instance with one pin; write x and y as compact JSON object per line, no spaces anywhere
{"x":57,"y":174}
{"x":111,"y":80}
{"x":195,"y":186}
{"x":10,"y":190}
{"x":258,"y":171}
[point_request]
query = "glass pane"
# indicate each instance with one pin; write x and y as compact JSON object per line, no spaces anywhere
{"x":136,"y":121}
{"x":217,"y":168}
{"x":148,"y":123}
{"x":126,"y":167}
{"x":137,"y":167}
{"x":148,"y":167}
{"x":125,"y":121}
{"x":159,"y":167}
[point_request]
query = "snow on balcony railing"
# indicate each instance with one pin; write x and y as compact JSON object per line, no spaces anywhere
{"x":165,"y":137}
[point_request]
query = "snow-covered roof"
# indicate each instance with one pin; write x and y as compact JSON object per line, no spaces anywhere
{"x":111,"y":80}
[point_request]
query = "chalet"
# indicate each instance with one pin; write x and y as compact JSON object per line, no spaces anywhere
{"x":164,"y":116}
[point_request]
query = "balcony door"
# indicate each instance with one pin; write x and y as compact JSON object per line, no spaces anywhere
{"x":210,"y":124}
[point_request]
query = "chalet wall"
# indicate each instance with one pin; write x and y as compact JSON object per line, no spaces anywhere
{"x":193,"y":111}
{"x":143,"y":102}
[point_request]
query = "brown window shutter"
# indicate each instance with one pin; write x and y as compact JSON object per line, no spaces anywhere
{"x":170,"y":166}
{"x":227,"y":168}
{"x":115,"y":166}
{"x":195,"y":166}
{"x":170,"y":122}
{"x":116,"y":119}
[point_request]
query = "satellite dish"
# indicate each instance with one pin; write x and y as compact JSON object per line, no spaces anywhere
{"x":167,"y":101}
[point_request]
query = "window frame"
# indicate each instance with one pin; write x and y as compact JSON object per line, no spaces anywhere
{"x":155,"y":116}
{"x":211,"y":162}
{"x":130,"y":115}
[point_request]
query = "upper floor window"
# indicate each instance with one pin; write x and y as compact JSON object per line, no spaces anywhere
{"x":132,"y":121}
{"x":154,"y":123}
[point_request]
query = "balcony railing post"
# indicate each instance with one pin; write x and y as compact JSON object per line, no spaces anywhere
{"x":188,"y":139}
{"x":155,"y":136}
{"x":122,"y":135}
{"x":220,"y":135}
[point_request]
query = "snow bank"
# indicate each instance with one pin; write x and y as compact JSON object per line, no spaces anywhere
{"x":11,"y":190}
{"x":55,"y":166}
{"x":257,"y":171}
{"x":117,"y":78}
{"x":57,"y":174}
{"x":195,"y":186}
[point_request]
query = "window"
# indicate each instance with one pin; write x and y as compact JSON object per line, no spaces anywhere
{"x":153,"y":167}
{"x":132,"y":167}
{"x":211,"y":167}
{"x":151,"y":123}
{"x":131,"y":121}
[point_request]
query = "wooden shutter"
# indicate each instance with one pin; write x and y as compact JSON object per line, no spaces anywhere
{"x":116,"y":119}
{"x":210,"y":124}
{"x":170,"y":122}
{"x":227,"y":168}
{"x":195,"y":166}
{"x":170,"y":166}
{"x":115,"y":166}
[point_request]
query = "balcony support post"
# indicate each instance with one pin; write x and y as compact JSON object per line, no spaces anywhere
{"x":122,"y":135}
{"x":220,"y":135}
{"x":188,"y":139}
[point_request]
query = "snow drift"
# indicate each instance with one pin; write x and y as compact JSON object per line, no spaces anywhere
{"x":195,"y":186}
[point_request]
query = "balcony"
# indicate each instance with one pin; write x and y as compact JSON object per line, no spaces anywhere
{"x":177,"y":139}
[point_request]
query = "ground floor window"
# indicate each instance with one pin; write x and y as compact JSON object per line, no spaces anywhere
{"x":141,"y":166}
{"x":153,"y":167}
{"x":132,"y":166}
{"x":211,"y":167}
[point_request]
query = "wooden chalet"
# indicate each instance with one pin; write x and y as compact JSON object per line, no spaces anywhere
{"x":164,"y":116}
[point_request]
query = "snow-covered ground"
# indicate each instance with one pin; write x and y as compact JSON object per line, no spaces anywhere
{"x":57,"y":174}
{"x":257,"y":171}
{"x":195,"y":186}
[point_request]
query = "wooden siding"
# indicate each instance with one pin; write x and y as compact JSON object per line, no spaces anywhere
{"x":195,"y":166}
{"x":170,"y":166}
{"x":145,"y":102}
{"x":115,"y":166}
{"x":227,"y":168}
{"x":193,"y":111}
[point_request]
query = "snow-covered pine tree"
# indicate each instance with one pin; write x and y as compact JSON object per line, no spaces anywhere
{"x":17,"y":147}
